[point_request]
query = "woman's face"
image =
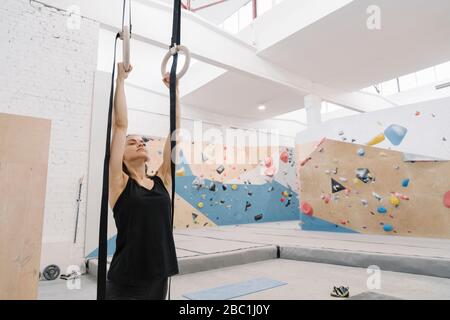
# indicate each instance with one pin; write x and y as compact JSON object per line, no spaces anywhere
{"x":135,"y":148}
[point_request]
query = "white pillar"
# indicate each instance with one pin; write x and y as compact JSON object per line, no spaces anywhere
{"x":313,"y":106}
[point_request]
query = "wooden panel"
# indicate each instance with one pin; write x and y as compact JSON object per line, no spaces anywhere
{"x":24,"y":148}
{"x":423,"y":215}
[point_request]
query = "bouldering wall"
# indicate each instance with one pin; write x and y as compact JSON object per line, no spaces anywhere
{"x":347,"y":187}
{"x":227,"y":192}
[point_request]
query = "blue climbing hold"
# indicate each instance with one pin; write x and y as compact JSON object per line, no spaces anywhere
{"x":405,"y":183}
{"x":395,"y":134}
{"x":388,"y":228}
{"x":382,"y":210}
{"x":361,"y":152}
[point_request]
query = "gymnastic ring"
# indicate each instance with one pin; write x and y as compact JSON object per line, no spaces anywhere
{"x":172,"y":52}
{"x":125,"y":35}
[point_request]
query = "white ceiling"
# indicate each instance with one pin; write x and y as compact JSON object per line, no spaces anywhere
{"x":239,"y":95}
{"x":341,"y":52}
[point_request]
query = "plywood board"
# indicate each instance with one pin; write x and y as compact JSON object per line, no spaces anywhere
{"x":24,"y":148}
{"x":424,"y":215}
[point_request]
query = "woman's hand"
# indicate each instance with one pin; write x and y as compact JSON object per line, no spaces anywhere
{"x":166,"y":80}
{"x":123,"y":74}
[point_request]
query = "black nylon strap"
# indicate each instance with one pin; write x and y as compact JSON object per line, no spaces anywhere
{"x":103,"y":230}
{"x":176,"y":40}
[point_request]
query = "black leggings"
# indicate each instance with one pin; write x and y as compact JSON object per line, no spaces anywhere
{"x":157,"y":290}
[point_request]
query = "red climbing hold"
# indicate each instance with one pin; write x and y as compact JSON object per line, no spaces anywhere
{"x":306,"y":208}
{"x":284,"y":156}
{"x":447,"y":199}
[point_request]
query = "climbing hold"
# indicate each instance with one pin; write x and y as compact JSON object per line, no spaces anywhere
{"x":194,"y":216}
{"x":336,"y":186}
{"x":282,"y":200}
{"x":271,"y":189}
{"x":234,"y":187}
{"x":305,"y":161}
{"x":326,"y":198}
{"x":200,"y":205}
{"x":341,"y":133}
{"x":284,"y":156}
{"x":306,"y":208}
{"x":395,"y":134}
{"x":382,"y":210}
{"x":268,"y":162}
{"x":347,"y":192}
{"x":447,"y":199}
{"x":259,"y":217}
{"x":342,"y":179}
{"x":285,"y":194}
{"x":220,"y":169}
{"x":377,"y":196}
{"x":364,"y":202}
{"x":417,"y":113}
{"x":405,"y":183}
{"x":394,"y":200}
{"x":212,"y":187}
{"x":388,"y":228}
{"x":224,"y":187}
{"x":361,"y":152}
{"x":376,"y":140}
{"x":180,"y":172}
{"x":364,"y":175}
{"x":247,"y":205}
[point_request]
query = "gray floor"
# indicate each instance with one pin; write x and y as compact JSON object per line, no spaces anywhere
{"x":304,"y":280}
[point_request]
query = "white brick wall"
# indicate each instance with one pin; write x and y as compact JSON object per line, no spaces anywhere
{"x":47,"y":71}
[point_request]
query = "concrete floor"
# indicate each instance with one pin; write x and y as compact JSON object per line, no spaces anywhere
{"x":305,"y":280}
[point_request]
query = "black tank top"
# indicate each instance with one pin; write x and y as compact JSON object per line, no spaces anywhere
{"x":145,"y":248}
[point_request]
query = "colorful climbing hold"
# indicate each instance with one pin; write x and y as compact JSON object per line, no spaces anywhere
{"x":282,"y":200}
{"x":364,"y":202}
{"x":284,"y":156}
{"x":447,"y":199}
{"x":364,"y":175}
{"x":394,"y":200}
{"x":395,"y":134}
{"x":382,"y":210}
{"x":200,"y":205}
{"x":388,"y":228}
{"x":405,"y":183}
{"x":377,"y":196}
{"x":220,"y":169}
{"x":180,"y":172}
{"x":234,"y":187}
{"x":285,"y":194}
{"x":376,"y":140}
{"x":361,"y":152}
{"x":306,"y":208}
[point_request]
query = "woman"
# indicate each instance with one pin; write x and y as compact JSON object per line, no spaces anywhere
{"x":145,"y":252}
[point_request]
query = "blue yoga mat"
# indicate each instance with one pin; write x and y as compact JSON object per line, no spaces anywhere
{"x":235,"y":290}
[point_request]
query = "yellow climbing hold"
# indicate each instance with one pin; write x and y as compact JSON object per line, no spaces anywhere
{"x":234,"y":187}
{"x":180,"y":172}
{"x":394,"y":200}
{"x":378,"y":139}
{"x":200,"y":205}
{"x":286,"y":194}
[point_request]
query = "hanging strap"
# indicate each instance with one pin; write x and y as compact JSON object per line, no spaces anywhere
{"x":103,"y":231}
{"x":176,"y":40}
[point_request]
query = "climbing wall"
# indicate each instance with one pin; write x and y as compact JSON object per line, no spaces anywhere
{"x":346,"y":187}
{"x":209,"y":193}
